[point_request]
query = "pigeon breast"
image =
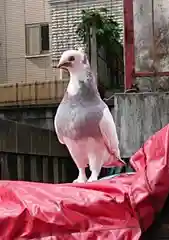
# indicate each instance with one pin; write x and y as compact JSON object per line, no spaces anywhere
{"x":78,"y":116}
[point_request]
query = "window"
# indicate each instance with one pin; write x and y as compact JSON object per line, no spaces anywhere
{"x":37,"y":39}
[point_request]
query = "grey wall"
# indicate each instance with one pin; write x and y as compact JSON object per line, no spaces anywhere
{"x":40,"y":116}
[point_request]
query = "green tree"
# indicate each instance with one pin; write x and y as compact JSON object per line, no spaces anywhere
{"x":108,"y":34}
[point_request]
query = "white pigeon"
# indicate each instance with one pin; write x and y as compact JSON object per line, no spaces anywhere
{"x":83,"y":121}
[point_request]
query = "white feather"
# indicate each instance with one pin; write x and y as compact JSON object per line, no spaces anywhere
{"x":57,"y":132}
{"x":109,"y":133}
{"x":73,"y":87}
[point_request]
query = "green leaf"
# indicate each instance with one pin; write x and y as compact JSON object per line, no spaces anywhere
{"x":107,"y":29}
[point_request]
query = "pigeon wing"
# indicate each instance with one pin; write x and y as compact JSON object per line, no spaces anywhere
{"x":56,"y":130}
{"x":108,"y":131}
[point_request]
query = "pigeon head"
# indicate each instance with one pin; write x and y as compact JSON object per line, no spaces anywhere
{"x":72,"y":60}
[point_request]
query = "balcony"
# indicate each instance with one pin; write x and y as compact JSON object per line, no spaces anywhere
{"x":37,"y":93}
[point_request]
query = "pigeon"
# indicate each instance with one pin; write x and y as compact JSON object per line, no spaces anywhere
{"x":83,"y":121}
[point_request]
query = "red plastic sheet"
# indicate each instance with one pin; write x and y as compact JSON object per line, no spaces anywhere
{"x":117,"y":209}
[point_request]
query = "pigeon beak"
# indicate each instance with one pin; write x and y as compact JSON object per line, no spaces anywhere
{"x":60,"y":65}
{"x":64,"y":65}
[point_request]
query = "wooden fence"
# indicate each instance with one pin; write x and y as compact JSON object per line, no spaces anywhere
{"x":137,"y":117}
{"x":33,"y":154}
{"x":32,"y":93}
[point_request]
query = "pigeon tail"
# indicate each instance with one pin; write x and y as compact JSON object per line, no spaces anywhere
{"x":113,"y":161}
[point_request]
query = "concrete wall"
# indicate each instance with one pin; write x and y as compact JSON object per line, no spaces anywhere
{"x":40,"y":116}
{"x":14,"y":65}
{"x":137,"y":117}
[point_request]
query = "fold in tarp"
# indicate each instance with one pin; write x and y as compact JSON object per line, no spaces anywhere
{"x":121,"y":208}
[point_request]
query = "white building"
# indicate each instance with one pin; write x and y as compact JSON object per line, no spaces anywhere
{"x":66,"y":15}
{"x":24,"y":41}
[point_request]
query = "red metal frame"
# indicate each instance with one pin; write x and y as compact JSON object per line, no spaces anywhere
{"x":129,"y":58}
{"x":150,"y":74}
{"x":129,"y":54}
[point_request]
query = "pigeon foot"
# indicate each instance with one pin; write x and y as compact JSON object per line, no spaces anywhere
{"x":93,"y":178}
{"x":80,"y":179}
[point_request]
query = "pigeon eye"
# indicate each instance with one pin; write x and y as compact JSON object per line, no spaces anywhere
{"x":71,"y":59}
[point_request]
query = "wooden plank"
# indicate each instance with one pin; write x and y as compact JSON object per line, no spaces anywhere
{"x":64,"y":177}
{"x":56,"y":170}
{"x":20,"y":167}
{"x":25,"y":139}
{"x":25,"y":93}
{"x":45,"y":170}
{"x":34,"y":173}
{"x":4,"y":167}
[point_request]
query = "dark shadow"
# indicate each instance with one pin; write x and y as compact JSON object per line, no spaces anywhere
{"x":27,"y":168}
{"x":39,"y":164}
{"x":71,"y":171}
{"x":160,"y":228}
{"x":12,"y":166}
{"x":50,"y":171}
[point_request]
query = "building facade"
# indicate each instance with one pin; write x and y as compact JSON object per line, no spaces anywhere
{"x":26,"y":48}
{"x":66,"y":15}
{"x":24,"y":41}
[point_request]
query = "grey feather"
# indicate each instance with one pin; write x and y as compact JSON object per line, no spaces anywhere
{"x":78,"y":116}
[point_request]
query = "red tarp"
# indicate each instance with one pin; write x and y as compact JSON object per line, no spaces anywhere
{"x":117,"y":209}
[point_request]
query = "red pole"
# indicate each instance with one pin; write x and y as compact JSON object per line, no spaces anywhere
{"x":129,"y":57}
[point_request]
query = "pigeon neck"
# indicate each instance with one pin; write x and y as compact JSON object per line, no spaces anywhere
{"x":73,"y":86}
{"x":79,"y":77}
